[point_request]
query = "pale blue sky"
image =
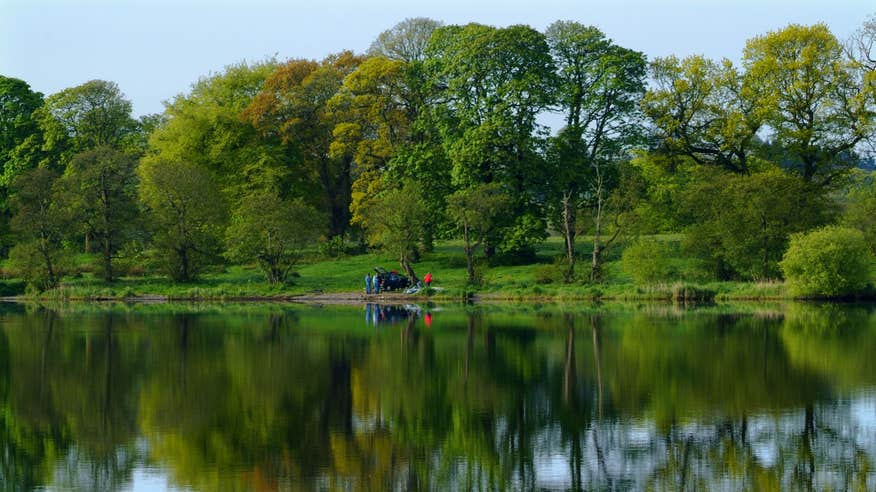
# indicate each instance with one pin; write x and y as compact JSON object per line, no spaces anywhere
{"x":157,"y":49}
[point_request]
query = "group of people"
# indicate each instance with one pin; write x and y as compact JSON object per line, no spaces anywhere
{"x":372,"y":283}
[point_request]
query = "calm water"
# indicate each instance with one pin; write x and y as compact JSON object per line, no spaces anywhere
{"x":277,"y":397}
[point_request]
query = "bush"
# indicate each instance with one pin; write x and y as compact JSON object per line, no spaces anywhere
{"x":27,"y":260}
{"x":832,"y":261}
{"x":649,"y":261}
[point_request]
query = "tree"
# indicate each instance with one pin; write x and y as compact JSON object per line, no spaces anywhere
{"x":272,"y":232}
{"x":85,"y":117}
{"x":292,"y":110}
{"x":706,"y":111}
{"x":742,"y":223}
{"x":204,"y":127}
{"x":102,"y":186}
{"x":406,"y":41}
{"x":39,"y":221}
{"x":17,"y":105}
{"x":186,"y":213}
{"x":599,"y":89}
{"x":862,"y":45}
{"x":491,"y":84}
{"x":394,"y":221}
{"x":476,"y":212}
{"x":20,"y":140}
{"x":860,"y":212}
{"x":819,"y":110}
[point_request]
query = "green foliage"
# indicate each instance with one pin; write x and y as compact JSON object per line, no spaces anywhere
{"x":492,"y":84}
{"x":292,"y":112}
{"x":205,"y":128}
{"x":272,"y":231}
{"x":831,"y":261}
{"x":101,"y":186}
{"x":40,"y":267}
{"x":85,"y":117}
{"x":860,"y":211}
{"x":395,"y":222}
{"x":187,"y":215}
{"x":742,"y":223}
{"x":649,"y":261}
{"x":40,"y":221}
{"x":816,"y":105}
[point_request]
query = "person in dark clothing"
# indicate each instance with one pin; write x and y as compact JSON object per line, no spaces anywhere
{"x":367,"y":283}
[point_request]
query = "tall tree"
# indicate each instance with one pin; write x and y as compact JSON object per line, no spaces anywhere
{"x":706,"y":111}
{"x":102,"y":184}
{"x":85,"y":117}
{"x":819,"y":108}
{"x":292,"y":109}
{"x":20,"y":141}
{"x":186,"y":214}
{"x":17,"y":105}
{"x":40,"y":220}
{"x":406,"y":41}
{"x":204,"y":127}
{"x":599,"y":89}
{"x":491,"y":84}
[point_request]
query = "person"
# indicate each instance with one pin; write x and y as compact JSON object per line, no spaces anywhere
{"x":427,"y":279}
{"x":367,"y":283}
{"x":375,"y":280}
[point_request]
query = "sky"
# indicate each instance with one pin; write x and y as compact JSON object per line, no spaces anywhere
{"x":157,"y":49}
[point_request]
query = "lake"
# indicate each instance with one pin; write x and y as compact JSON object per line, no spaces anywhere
{"x":264,"y":397}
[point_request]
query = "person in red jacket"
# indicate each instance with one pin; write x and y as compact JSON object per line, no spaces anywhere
{"x":427,"y":279}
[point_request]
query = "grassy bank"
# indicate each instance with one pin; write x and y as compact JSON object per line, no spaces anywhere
{"x":537,"y":281}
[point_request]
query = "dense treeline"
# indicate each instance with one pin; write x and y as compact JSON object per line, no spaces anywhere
{"x":438,"y":132}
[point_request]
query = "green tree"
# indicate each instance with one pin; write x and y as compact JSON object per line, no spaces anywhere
{"x":101,"y":183}
{"x":85,"y":117}
{"x":860,"y":211}
{"x":819,"y":109}
{"x":741,"y":224}
{"x":600,"y":86}
{"x":491,"y":85}
{"x":292,"y":111}
{"x":406,"y":41}
{"x":186,"y":213}
{"x":204,"y":127}
{"x":17,"y":124}
{"x":706,"y":111}
{"x":40,"y":220}
{"x":394,"y":221}
{"x":476,"y":212}
{"x":20,"y":141}
{"x":272,"y":231}
{"x":830,"y":261}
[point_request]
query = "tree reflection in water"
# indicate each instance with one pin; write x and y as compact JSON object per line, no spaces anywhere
{"x":303,"y":398}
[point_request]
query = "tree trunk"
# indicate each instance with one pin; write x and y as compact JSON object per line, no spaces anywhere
{"x":184,"y":264}
{"x":469,"y":257}
{"x":569,"y":220}
{"x":107,"y":259}
{"x":409,"y":270}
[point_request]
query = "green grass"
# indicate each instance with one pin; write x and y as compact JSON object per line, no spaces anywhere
{"x":539,"y":280}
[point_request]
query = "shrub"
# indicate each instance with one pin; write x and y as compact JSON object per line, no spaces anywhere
{"x":649,"y":261}
{"x":832,"y":261}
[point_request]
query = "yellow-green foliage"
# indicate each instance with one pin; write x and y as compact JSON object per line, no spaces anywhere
{"x":648,"y":260}
{"x":830,"y":261}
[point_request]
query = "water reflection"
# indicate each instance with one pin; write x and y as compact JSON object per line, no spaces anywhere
{"x":304,"y":398}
